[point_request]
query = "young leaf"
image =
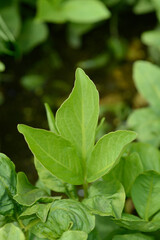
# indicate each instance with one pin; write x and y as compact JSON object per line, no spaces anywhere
{"x":27,"y":194}
{"x":77,"y":117}
{"x":74,"y":235}
{"x":133,"y":236}
{"x":65,"y":215}
{"x":106,"y":198}
{"x":147,"y":124}
{"x":10,"y":231}
{"x":51,"y":120}
{"x":146,"y":193}
{"x":55,"y":153}
{"x":127,"y":170}
{"x":107,"y":152}
{"x":146,"y":76}
{"x":40,"y":210}
{"x":85,"y":11}
{"x":7,"y":185}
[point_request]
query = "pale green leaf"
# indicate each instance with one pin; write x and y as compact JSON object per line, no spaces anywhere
{"x":65,"y":215}
{"x":147,"y":124}
{"x":55,"y":153}
{"x":149,"y":155}
{"x":50,"y":118}
{"x":127,"y":170}
{"x":85,"y":11}
{"x":144,"y":6}
{"x":48,"y":10}
{"x":33,"y":33}
{"x":10,"y":231}
{"x":53,"y":183}
{"x":146,"y":193}
{"x":27,"y":194}
{"x":107,"y":152}
{"x":77,"y":117}
{"x":74,"y":235}
{"x":40,"y":210}
{"x":106,"y":198}
{"x":146,"y":77}
{"x":151,"y":38}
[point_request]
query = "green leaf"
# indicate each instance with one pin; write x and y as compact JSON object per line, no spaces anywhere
{"x":106,"y":198}
{"x":27,"y":194}
{"x":146,"y":77}
{"x":50,"y":118}
{"x":134,"y":236}
{"x":10,"y":22}
{"x":143,"y":7}
{"x":7,"y":185}
{"x":79,"y":11}
{"x":49,"y":180}
{"x":77,"y":117}
{"x":72,"y":235}
{"x":10,"y":231}
{"x":127,"y":170}
{"x":85,"y":11}
{"x":149,"y":155}
{"x":55,"y":153}
{"x":53,"y":183}
{"x":147,"y":124}
{"x":33,"y":33}
{"x":40,"y":210}
{"x":107,"y":152}
{"x":65,"y":215}
{"x":50,"y":11}
{"x":146,"y":193}
{"x":133,"y":222}
{"x":151,"y":38}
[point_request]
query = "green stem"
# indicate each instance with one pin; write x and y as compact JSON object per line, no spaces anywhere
{"x":31,"y":224}
{"x":85,"y":188}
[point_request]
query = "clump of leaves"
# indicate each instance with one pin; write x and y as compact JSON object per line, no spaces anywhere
{"x":94,"y":177}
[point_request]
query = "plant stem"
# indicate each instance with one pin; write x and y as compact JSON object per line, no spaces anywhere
{"x":85,"y":188}
{"x":31,"y":224}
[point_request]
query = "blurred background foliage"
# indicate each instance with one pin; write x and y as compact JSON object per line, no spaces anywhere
{"x":43,"y":41}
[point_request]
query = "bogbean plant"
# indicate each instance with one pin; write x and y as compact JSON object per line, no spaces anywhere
{"x":111,"y":178}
